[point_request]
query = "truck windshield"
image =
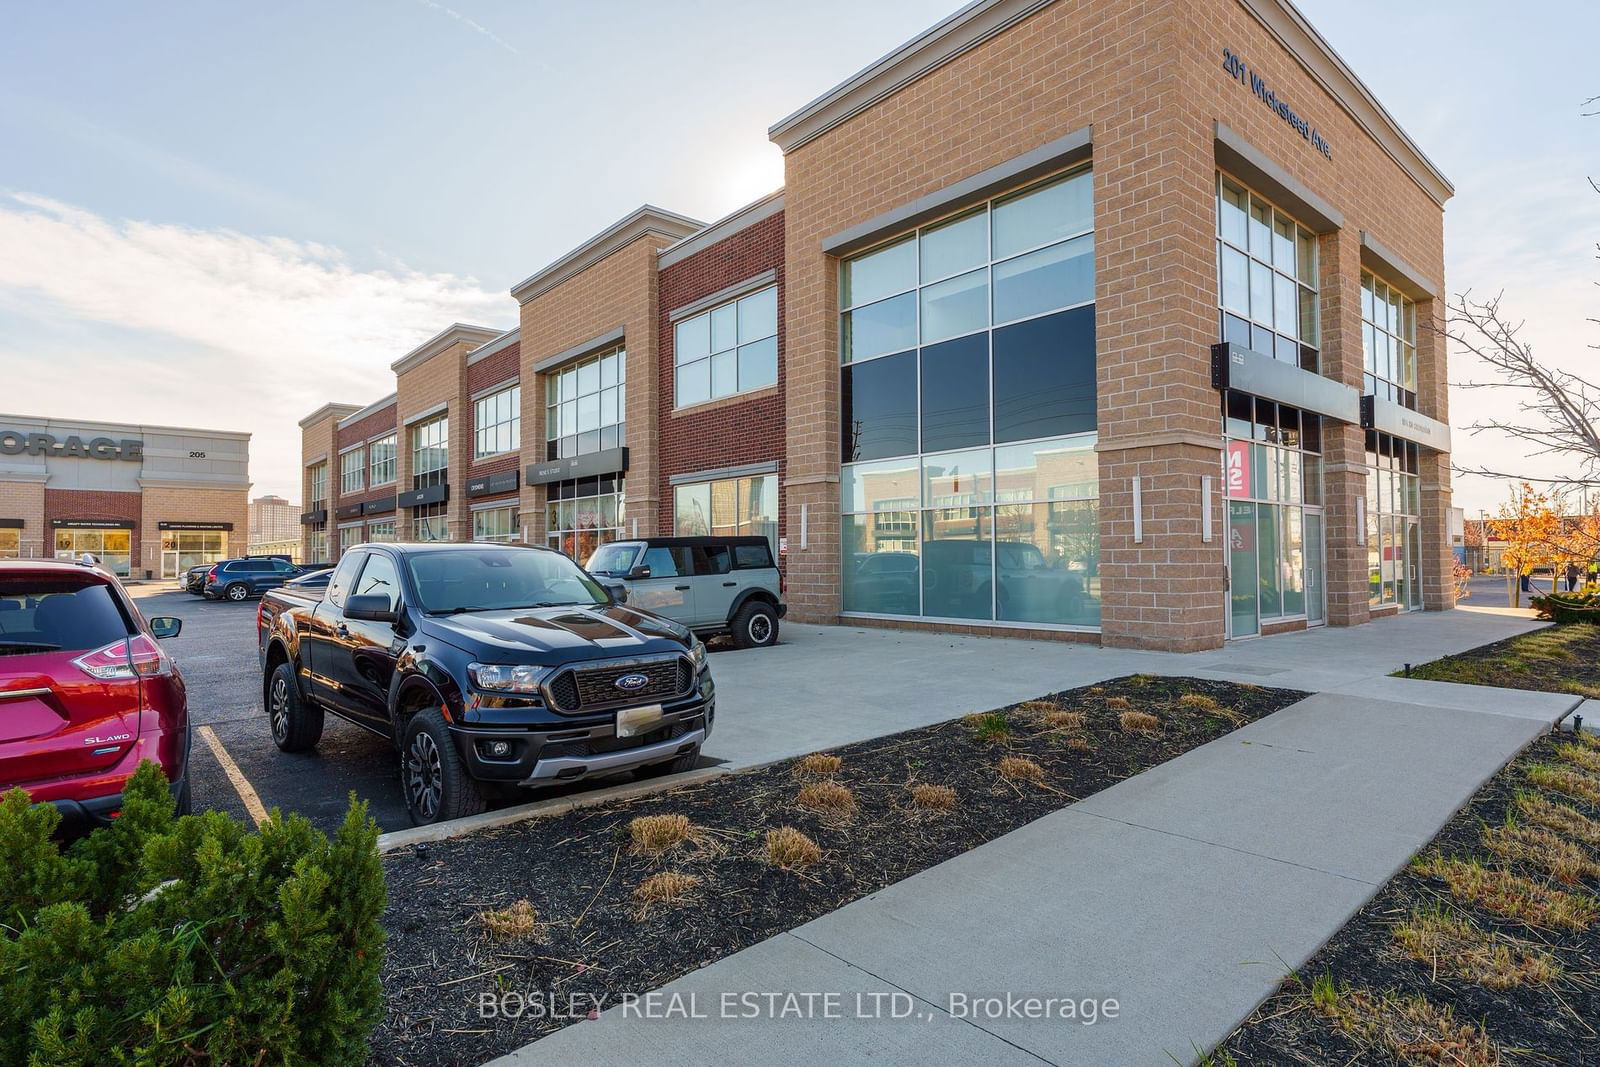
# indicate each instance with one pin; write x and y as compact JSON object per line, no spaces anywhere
{"x":498,"y":579}
{"x":613,"y":560}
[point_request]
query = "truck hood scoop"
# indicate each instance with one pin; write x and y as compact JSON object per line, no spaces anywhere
{"x":563,"y":628}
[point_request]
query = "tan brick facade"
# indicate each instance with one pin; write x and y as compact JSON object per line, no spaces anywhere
{"x":1141,"y":93}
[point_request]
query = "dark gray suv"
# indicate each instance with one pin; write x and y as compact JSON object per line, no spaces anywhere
{"x":713,"y":585}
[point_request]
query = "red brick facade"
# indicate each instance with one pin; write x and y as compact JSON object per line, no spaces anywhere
{"x":94,"y":504}
{"x":735,"y":430}
{"x":358,"y":432}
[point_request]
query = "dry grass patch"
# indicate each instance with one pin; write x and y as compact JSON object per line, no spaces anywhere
{"x":1461,"y":947}
{"x":655,"y":835}
{"x":1513,"y":896}
{"x":668,"y":887}
{"x":1536,"y":847}
{"x":1064,"y":720}
{"x":827,"y":798}
{"x":933,"y":798}
{"x":1118,"y":703}
{"x":1413,"y":1030}
{"x":1209,"y":705}
{"x":1139,"y":722}
{"x":789,"y":849}
{"x":1078,"y":743}
{"x":989,"y":726}
{"x":817,"y":765}
{"x":1020,"y":769}
{"x":1564,"y":819}
{"x":1567,"y":780}
{"x":1580,"y":755}
{"x":515,"y":923}
{"x":1037,"y":708}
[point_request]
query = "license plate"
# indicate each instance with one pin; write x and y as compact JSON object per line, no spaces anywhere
{"x":631,"y":722}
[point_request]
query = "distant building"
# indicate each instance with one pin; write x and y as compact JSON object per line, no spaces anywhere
{"x":273,"y":519}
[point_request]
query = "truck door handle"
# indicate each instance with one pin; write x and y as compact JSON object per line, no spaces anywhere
{"x":729,"y":585}
{"x":341,"y":629}
{"x":681,"y":588}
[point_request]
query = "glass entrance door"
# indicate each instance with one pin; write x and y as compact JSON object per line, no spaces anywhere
{"x":1316,"y":595}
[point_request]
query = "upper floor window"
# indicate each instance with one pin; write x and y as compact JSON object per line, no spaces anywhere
{"x":352,"y":471}
{"x":1267,"y":278}
{"x":729,"y":349}
{"x":430,"y":452}
{"x":317,"y":485}
{"x":381,"y":453}
{"x":1388,"y":341}
{"x":586,"y":406}
{"x":497,"y":423}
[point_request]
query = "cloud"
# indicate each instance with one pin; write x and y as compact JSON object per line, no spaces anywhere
{"x":152,"y":322}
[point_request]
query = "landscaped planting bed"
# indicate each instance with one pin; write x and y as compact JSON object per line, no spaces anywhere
{"x":622,"y":898}
{"x":1484,"y":951}
{"x":1558,"y":659}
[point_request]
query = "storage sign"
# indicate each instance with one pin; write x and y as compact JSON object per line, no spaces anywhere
{"x":17,"y":443}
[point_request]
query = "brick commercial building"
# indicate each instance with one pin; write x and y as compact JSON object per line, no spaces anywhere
{"x":1099,"y":320}
{"x":148,"y":501}
{"x":273,"y":520}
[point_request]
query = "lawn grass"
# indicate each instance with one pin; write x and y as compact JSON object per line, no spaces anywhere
{"x":1558,"y":659}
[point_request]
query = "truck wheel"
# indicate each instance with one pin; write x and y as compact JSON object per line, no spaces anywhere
{"x":236,"y":592}
{"x":683,"y":763}
{"x":436,"y":783}
{"x":296,"y":722}
{"x":756,"y":625}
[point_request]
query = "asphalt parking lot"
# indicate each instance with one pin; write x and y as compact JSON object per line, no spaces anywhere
{"x":217,"y":654}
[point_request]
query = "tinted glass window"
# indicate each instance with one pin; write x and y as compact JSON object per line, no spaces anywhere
{"x":1044,"y":376}
{"x":282,"y":567}
{"x":344,"y":576}
{"x":64,"y":614}
{"x":878,"y":408}
{"x":499,"y":579}
{"x":661,"y":562}
{"x":955,"y":394}
{"x":714,"y":559}
{"x":614,"y":560}
{"x":752,"y":556}
{"x":379,"y":578}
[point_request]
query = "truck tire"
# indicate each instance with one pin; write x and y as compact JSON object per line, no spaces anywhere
{"x":755,"y":626}
{"x":683,"y":763}
{"x":436,"y":784}
{"x":296,"y":722}
{"x":236,"y":592}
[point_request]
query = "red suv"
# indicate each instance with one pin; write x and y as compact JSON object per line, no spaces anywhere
{"x":85,"y":691}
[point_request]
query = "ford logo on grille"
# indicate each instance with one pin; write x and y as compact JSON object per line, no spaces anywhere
{"x":630,"y":682}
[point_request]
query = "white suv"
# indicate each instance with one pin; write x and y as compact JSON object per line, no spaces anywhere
{"x":713,"y":585}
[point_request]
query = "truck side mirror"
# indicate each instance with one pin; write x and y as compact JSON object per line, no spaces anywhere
{"x":371,"y":607}
{"x":638,"y":574}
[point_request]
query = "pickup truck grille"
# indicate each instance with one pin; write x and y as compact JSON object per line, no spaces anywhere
{"x":593,"y":688}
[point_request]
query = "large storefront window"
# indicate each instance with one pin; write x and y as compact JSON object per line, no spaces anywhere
{"x":317,"y":486}
{"x":352,"y":470}
{"x":350,"y":536}
{"x":1388,"y":342}
{"x":969,"y":483}
{"x":729,"y":349}
{"x":1394,"y":522}
{"x":10,"y":543}
{"x":317,"y":543}
{"x":586,"y":406}
{"x":728,"y":507}
{"x":583,"y":514}
{"x":497,"y":423}
{"x":1267,"y":277}
{"x":113,"y":548}
{"x":380,"y":531}
{"x":430,"y":453}
{"x":430,"y":522}
{"x":1273,"y":479}
{"x":381,"y":453}
{"x":182,"y":549}
{"x":496,"y":524}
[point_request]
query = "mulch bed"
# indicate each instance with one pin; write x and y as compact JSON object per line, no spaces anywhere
{"x":579,"y":871}
{"x":1558,"y":659}
{"x":1555,"y":1023}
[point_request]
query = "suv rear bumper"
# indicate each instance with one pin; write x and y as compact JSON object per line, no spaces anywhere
{"x":78,"y":817}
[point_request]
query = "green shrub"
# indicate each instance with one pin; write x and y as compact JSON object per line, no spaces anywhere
{"x":162,"y":941}
{"x":1567,"y":607}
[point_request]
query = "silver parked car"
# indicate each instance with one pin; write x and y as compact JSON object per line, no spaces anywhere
{"x":713,"y":585}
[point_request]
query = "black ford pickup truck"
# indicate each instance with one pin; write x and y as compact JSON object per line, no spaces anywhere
{"x":491,"y":667}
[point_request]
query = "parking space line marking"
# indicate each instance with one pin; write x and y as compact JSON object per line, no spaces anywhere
{"x":241,"y":784}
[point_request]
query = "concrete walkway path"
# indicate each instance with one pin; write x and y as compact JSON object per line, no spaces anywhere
{"x":1184,"y":893}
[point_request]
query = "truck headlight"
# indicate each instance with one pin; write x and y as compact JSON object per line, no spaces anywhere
{"x":697,"y":654}
{"x":505,"y":678}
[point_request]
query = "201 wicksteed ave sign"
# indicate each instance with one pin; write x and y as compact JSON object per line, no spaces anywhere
{"x":1240,"y":72}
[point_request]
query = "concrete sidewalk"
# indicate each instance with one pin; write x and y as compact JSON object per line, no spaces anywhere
{"x":1185,"y":893}
{"x":826,"y":686}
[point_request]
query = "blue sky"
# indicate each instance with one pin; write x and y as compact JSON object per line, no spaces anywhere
{"x":280,"y":199}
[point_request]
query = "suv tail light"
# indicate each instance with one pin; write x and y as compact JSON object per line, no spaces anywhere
{"x":783,"y":583}
{"x":261,"y":611}
{"x":124,"y":661}
{"x":211,"y":575}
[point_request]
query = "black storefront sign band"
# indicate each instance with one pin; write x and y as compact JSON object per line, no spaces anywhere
{"x":93,"y":524}
{"x":311,"y":518}
{"x":194,"y":526}
{"x":489,"y":484}
{"x":380,"y":506}
{"x":416,"y":498}
{"x":347,"y":511}
{"x":588,"y":465}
